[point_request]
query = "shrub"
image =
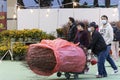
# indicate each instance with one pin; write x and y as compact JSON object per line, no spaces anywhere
{"x":18,"y":48}
{"x":3,"y":49}
{"x":63,"y":31}
{"x":19,"y":51}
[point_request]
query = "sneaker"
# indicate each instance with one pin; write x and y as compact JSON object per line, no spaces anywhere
{"x":104,"y":75}
{"x":115,"y":71}
{"x":99,"y":76}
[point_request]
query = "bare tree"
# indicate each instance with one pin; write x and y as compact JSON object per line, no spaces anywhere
{"x":69,"y":4}
{"x":58,"y":2}
{"x":107,"y":3}
{"x":44,"y":3}
{"x":95,"y":3}
{"x":20,"y":3}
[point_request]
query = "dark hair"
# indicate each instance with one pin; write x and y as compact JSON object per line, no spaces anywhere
{"x":113,"y":24}
{"x":97,"y":26}
{"x":81,"y":24}
{"x":104,"y":16}
{"x":71,"y":19}
{"x":93,"y":24}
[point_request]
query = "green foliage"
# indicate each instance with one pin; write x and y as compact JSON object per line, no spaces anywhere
{"x":33,"y":33}
{"x":63,"y":31}
{"x":19,"y":48}
{"x":3,"y":49}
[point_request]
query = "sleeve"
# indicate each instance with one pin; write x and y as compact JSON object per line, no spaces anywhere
{"x":74,"y":32}
{"x":95,"y":37}
{"x":86,"y":39}
{"x":111,"y":34}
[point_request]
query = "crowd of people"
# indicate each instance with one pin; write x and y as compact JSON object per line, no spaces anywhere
{"x":98,"y":40}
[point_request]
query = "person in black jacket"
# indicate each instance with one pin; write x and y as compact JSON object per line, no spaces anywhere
{"x":115,"y":43}
{"x":99,"y":48}
{"x":72,"y":30}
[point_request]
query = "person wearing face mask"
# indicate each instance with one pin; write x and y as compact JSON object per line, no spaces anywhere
{"x":106,"y":31}
{"x":72,"y":29}
{"x":98,"y":48}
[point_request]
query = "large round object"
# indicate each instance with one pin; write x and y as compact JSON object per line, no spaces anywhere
{"x":50,"y":56}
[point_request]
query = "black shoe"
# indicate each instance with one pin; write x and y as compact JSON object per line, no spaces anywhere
{"x":104,"y":75}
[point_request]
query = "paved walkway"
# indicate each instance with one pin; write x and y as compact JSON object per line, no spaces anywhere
{"x":15,"y":70}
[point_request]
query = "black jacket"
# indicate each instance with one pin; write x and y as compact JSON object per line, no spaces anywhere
{"x":97,"y":43}
{"x":116,"y":34}
{"x":72,"y":32}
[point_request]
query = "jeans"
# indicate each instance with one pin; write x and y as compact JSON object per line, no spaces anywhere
{"x":110,"y":60}
{"x":101,"y":62}
{"x":102,"y":56}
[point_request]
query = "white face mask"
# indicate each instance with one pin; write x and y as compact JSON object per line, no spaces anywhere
{"x":89,"y":29}
{"x":104,"y":22}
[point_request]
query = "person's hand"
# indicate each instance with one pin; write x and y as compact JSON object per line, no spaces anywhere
{"x":89,"y":51}
{"x":85,"y":48}
{"x":77,"y":44}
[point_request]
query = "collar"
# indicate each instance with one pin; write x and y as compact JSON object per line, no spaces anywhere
{"x":104,"y":26}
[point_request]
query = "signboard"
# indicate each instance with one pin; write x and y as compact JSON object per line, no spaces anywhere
{"x":3,"y":15}
{"x":3,"y":24}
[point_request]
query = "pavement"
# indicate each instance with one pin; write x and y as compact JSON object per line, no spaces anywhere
{"x":16,"y":70}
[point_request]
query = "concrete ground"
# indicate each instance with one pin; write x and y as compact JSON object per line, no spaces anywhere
{"x":16,"y":70}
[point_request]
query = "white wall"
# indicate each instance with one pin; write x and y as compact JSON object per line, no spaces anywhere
{"x":36,"y":18}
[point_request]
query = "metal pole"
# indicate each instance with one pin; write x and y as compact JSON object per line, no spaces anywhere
{"x":57,"y":17}
{"x":119,"y":8}
{"x":73,"y":8}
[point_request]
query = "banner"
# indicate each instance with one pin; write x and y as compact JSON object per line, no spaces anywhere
{"x":3,"y":20}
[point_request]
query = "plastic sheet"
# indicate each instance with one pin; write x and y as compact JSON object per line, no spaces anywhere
{"x":68,"y":56}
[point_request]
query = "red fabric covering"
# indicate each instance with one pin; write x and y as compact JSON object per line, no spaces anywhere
{"x":69,"y":57}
